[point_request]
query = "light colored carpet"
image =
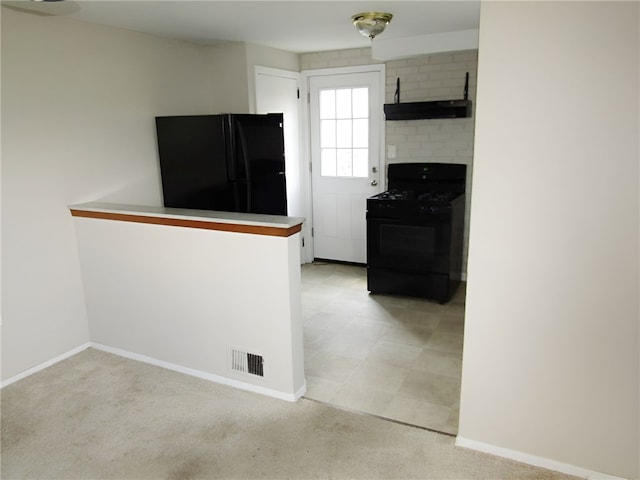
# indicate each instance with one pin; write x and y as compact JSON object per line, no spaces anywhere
{"x":101,"y":416}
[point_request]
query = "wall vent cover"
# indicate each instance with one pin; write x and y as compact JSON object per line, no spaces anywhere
{"x":245,"y":362}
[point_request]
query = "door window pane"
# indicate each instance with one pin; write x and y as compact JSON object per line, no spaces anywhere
{"x":344,"y":132}
{"x":343,"y":103}
{"x":360,"y":162}
{"x":361,"y":133}
{"x":360,"y":103}
{"x":328,"y":162}
{"x":327,"y":133}
{"x":327,"y":104}
{"x":344,"y":162}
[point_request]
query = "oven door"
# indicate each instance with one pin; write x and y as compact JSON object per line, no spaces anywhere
{"x":420,"y":244}
{"x":410,"y":257}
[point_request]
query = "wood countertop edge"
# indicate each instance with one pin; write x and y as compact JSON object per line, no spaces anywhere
{"x":191,"y":223}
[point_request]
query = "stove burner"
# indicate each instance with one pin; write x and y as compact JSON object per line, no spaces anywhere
{"x":395,"y":195}
{"x":440,"y":198}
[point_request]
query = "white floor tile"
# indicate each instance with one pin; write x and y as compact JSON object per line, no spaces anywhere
{"x":392,"y":356}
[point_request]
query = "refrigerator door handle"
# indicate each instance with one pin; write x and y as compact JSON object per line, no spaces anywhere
{"x":245,"y":160}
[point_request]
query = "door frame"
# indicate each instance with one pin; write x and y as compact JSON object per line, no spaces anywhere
{"x":305,"y":140}
{"x":306,"y":250}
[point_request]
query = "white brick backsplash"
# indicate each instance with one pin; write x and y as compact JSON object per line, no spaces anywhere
{"x":339,"y":62}
{"x":397,"y":63}
{"x":406,"y":71}
{"x":440,"y":75}
{"x":356,"y":53}
{"x":465,"y":57}
{"x":336,"y":58}
{"x":456,"y":67}
{"x":441,"y":58}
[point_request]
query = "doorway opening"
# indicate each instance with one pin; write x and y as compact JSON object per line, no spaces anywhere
{"x":391,"y":356}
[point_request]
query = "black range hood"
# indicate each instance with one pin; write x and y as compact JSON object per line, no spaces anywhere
{"x":423,"y":110}
{"x":427,"y":110}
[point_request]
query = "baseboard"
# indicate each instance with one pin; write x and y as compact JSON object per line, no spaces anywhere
{"x":44,"y":365}
{"x":169,"y":366}
{"x":204,"y":375}
{"x":301,"y":391}
{"x":533,"y":460}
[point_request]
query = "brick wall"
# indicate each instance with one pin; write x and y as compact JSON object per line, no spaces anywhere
{"x":432,"y":77}
{"x":336,"y":58}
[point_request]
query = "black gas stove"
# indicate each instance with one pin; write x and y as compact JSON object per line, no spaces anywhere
{"x":415,"y":231}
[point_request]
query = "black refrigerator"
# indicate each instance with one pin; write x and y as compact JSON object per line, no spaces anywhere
{"x":227,"y":162}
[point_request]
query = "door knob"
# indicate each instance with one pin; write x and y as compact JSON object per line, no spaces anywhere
{"x":374,"y":183}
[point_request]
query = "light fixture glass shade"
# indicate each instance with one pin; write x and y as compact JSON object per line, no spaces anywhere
{"x":371,"y":24}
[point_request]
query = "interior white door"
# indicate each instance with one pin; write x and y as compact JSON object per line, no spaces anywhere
{"x":277,"y":91}
{"x":346,"y":121}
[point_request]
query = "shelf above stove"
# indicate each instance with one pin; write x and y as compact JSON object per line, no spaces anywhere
{"x":428,"y":110}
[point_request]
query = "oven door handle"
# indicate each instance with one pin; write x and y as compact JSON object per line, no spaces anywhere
{"x":433,"y":220}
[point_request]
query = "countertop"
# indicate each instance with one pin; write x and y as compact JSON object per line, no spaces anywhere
{"x":206,"y":219}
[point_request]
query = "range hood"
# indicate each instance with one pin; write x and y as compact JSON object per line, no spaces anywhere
{"x":427,"y":110}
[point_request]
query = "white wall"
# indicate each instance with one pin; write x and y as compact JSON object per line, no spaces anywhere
{"x":187,"y":296}
{"x":232,"y":64}
{"x":78,"y":108}
{"x":231,"y":89}
{"x":551,"y":352}
{"x":78,"y":102}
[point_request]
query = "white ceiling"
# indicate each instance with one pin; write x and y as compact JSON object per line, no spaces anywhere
{"x":295,"y":25}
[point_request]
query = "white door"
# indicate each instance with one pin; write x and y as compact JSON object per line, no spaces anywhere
{"x":277,"y":91}
{"x":347,"y":138}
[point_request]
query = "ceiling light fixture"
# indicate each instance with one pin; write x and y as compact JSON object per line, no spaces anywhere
{"x":371,"y":24}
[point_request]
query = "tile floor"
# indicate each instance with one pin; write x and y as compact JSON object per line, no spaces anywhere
{"x":395,"y":357}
